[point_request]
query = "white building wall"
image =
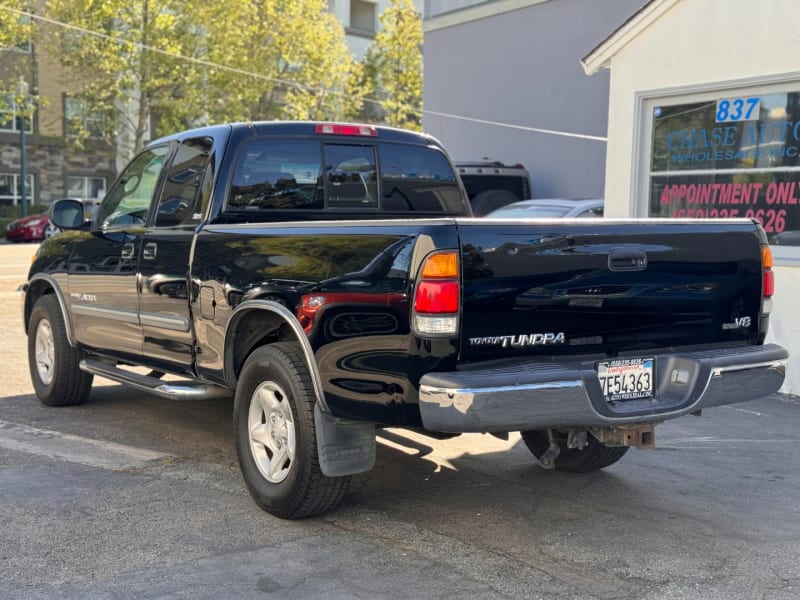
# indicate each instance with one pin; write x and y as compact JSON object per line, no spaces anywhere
{"x":699,"y":45}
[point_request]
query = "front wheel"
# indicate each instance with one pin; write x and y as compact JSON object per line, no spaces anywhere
{"x":276,"y":441}
{"x":593,"y":456}
{"x":50,"y":230}
{"x":54,"y":364}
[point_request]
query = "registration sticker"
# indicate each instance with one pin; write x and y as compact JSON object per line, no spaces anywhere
{"x":626,"y":378}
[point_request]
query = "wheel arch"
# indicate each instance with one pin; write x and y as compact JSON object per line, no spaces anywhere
{"x":40,"y":285}
{"x":258,"y":322}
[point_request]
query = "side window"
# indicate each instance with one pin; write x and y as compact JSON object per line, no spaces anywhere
{"x":129,"y":198}
{"x":277,"y":174}
{"x":186,"y":184}
{"x":351,"y":177}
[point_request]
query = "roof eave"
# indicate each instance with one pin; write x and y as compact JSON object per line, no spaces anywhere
{"x":600,"y":57}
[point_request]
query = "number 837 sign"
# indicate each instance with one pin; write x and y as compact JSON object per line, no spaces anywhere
{"x":733,"y":110}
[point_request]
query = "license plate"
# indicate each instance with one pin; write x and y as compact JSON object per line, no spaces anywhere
{"x":626,"y":378}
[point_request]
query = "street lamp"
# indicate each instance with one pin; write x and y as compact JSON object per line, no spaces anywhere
{"x":22,"y":92}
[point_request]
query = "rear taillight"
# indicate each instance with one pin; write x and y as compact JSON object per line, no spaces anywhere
{"x":768,"y":280}
{"x":769,"y":276}
{"x":437,"y":296}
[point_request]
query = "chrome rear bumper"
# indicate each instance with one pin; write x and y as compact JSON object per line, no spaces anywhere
{"x":541,"y":395}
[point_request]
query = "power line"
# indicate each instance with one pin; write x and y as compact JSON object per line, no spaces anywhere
{"x":521,"y":127}
{"x":238,"y":71}
{"x":140,"y":46}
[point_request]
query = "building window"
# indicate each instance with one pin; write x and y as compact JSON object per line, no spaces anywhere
{"x":86,"y":187}
{"x":733,"y":153}
{"x":10,"y":122}
{"x":11,"y":190}
{"x":25,"y":45}
{"x":80,"y":119}
{"x":362,"y":18}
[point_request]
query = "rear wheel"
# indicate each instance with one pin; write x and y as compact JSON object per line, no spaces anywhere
{"x":275,"y":437}
{"x":53,"y":363}
{"x":593,"y":456}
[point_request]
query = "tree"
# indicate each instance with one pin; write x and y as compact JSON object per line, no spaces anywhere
{"x":294,"y":52}
{"x":393,"y":68}
{"x":15,"y":31}
{"x":117,"y":82}
{"x":158,"y":66}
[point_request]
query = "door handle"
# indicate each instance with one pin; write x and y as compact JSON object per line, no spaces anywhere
{"x":627,"y":259}
{"x":149,"y":251}
{"x":127,"y":251}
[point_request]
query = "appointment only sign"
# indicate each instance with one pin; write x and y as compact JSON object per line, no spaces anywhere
{"x":775,"y":203}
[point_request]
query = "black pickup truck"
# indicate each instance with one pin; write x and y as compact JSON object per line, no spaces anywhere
{"x":331,"y":277}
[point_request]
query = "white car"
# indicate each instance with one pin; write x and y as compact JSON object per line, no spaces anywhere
{"x":550,"y":208}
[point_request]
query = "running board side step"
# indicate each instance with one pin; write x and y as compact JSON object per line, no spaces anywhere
{"x":183,"y":389}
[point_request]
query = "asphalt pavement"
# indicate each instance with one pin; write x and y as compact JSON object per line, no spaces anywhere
{"x":132,"y":496}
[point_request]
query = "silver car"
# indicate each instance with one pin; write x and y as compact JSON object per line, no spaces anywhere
{"x":550,"y":208}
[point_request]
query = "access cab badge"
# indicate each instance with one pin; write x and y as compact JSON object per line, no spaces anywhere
{"x":519,"y":341}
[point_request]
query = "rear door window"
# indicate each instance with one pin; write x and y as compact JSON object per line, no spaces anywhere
{"x":278,"y":174}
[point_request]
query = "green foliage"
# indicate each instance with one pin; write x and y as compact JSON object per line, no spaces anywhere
{"x":119,"y":84}
{"x":296,"y":51}
{"x":393,"y":68}
{"x":15,"y":31}
{"x":15,"y":28}
{"x":172,"y":64}
{"x":143,"y":68}
{"x":13,"y":213}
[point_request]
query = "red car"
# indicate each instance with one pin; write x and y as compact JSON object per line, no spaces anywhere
{"x":32,"y":228}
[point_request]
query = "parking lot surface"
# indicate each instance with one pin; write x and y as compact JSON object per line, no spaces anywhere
{"x":132,"y":496}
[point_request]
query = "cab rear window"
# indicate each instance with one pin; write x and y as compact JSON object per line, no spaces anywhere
{"x":275,"y":175}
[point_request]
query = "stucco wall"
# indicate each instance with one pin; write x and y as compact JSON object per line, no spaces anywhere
{"x":698,"y":42}
{"x":701,"y":44}
{"x":522,"y":68}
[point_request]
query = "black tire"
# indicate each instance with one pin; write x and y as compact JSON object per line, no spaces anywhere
{"x":486,"y":202}
{"x":53,"y":363}
{"x":275,"y":391}
{"x":592,"y":457}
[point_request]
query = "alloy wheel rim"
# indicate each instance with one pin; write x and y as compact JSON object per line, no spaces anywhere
{"x":44,"y":348}
{"x":270,"y":424}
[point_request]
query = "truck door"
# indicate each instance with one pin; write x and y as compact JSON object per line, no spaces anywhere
{"x":102,"y":271}
{"x":165,"y":288}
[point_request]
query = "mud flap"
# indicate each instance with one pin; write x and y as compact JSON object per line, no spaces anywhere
{"x":345,"y":447}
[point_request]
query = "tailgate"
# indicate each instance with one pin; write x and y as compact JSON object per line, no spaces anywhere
{"x":562,"y":287}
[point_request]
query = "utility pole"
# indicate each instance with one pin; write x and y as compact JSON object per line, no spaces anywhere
{"x":22,"y":92}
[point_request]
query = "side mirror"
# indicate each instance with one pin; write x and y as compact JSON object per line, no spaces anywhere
{"x":67,"y":214}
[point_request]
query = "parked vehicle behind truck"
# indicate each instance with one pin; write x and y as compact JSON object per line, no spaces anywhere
{"x":492,"y":184}
{"x":332,"y":279}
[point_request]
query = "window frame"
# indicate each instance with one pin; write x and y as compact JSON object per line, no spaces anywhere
{"x":647,"y":102}
{"x":10,"y":125}
{"x":85,"y":116}
{"x":16,"y":197}
{"x":353,"y":29}
{"x":121,"y":182}
{"x":85,"y":180}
